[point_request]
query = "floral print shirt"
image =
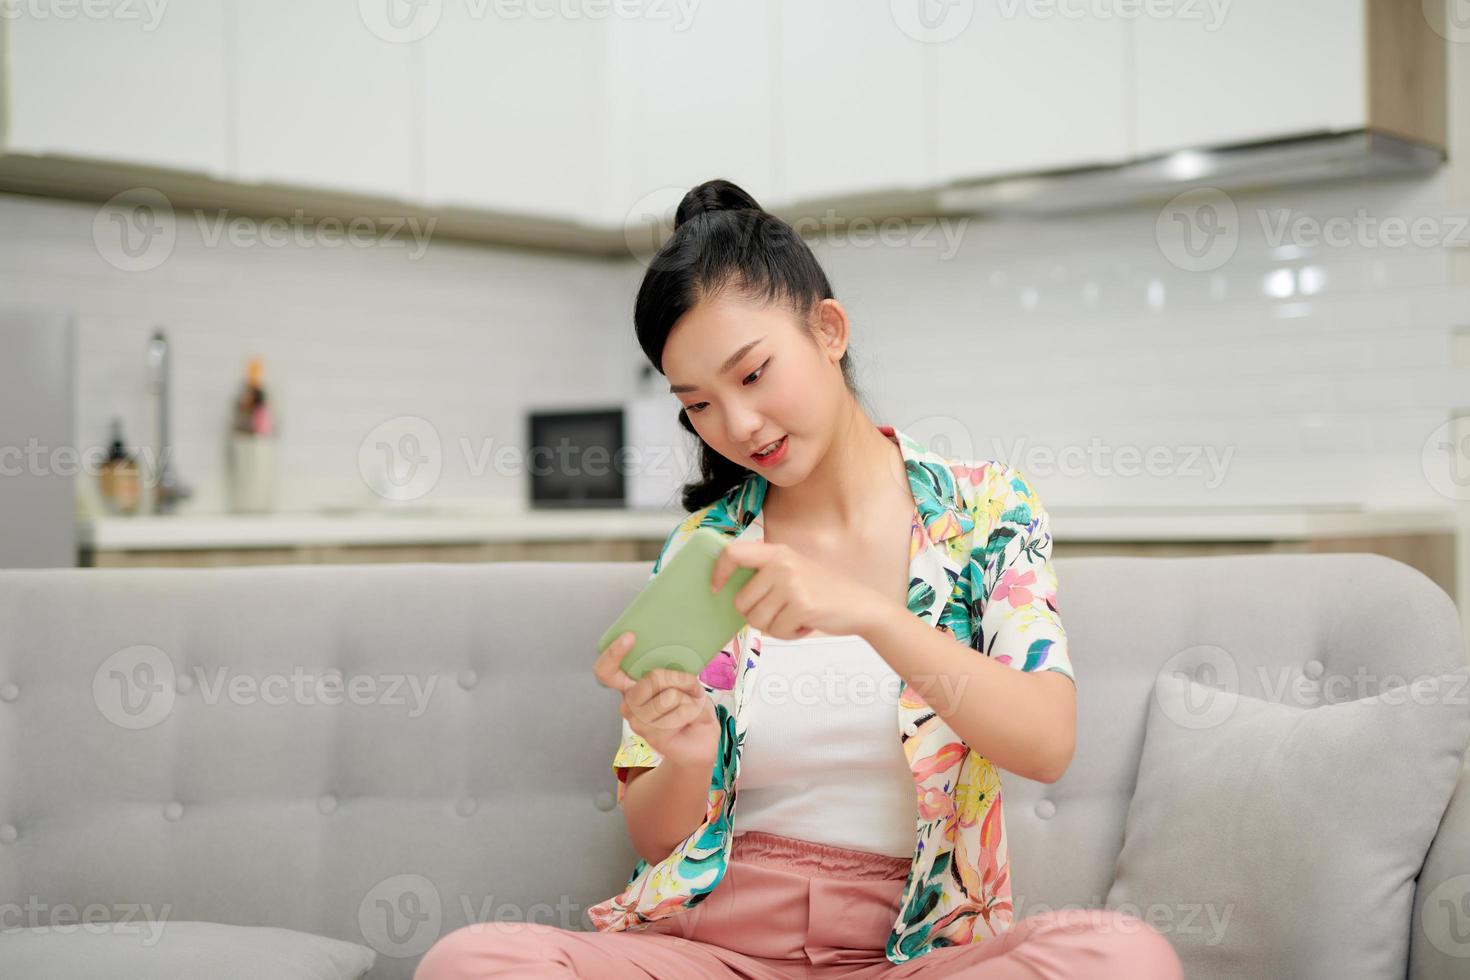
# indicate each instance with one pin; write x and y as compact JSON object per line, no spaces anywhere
{"x":979,"y":570}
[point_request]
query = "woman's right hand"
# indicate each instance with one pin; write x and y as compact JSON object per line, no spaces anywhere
{"x":668,"y":709}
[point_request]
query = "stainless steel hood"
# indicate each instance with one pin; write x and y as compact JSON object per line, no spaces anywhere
{"x":1307,"y":159}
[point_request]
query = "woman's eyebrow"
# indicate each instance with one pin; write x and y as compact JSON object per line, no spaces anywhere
{"x":730,"y":362}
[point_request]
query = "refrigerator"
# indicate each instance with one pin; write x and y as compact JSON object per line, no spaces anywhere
{"x":39,"y":458}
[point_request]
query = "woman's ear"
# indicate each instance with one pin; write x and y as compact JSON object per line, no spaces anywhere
{"x":832,"y":328}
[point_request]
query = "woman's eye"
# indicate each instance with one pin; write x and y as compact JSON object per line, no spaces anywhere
{"x":698,"y":407}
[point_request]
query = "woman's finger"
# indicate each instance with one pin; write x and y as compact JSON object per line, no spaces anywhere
{"x":741,"y":554}
{"x":787,"y":622}
{"x":681,"y":714}
{"x":751,"y":592}
{"x":764,"y":613}
{"x":667,"y":697}
{"x":607,"y":668}
{"x":662,"y":679}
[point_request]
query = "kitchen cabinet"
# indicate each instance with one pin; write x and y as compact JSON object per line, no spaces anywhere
{"x":853,"y":109}
{"x":143,"y":85}
{"x":1269,"y":70}
{"x":525,"y":125}
{"x":513,"y":112}
{"x":319,"y":101}
{"x":1016,"y":94}
{"x":693,"y":101}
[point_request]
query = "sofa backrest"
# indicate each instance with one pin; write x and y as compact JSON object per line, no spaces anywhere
{"x":383,"y":753}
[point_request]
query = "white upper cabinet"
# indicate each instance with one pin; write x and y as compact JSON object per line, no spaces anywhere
{"x":322,"y":101}
{"x":852,"y":106}
{"x":693,"y":101}
{"x":604,"y":114}
{"x":513,"y":110}
{"x":1259,"y":69}
{"x":144,"y":85}
{"x":1022,"y":87}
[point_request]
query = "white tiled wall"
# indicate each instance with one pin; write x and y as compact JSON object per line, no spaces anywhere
{"x":464,"y":336}
{"x":1314,"y":376}
{"x":1284,"y":376}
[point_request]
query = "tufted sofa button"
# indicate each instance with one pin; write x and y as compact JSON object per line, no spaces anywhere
{"x":173,"y":810}
{"x":605,"y":800}
{"x":183,"y":683}
{"x":1313,"y":669}
{"x":9,"y":691}
{"x":468,"y":679}
{"x":8,"y":833}
{"x":1046,"y":809}
{"x":466,"y":806}
{"x":327,"y":803}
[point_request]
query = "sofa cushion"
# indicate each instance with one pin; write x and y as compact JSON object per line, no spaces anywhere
{"x":177,"y":951}
{"x":1276,"y":839}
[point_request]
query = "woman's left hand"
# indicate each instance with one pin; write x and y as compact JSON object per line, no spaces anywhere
{"x":790,"y":595}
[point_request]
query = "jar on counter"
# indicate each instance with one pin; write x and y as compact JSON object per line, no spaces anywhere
{"x":118,"y":481}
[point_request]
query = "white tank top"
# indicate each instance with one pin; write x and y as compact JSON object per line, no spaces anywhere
{"x":821,"y":759}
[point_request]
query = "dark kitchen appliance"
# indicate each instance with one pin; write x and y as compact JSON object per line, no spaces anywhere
{"x":575,"y":459}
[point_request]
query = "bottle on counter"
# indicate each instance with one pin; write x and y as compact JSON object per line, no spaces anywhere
{"x":253,"y":413}
{"x":252,"y":461}
{"x":118,"y":481}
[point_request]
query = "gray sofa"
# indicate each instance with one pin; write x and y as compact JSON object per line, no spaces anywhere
{"x":315,"y":771}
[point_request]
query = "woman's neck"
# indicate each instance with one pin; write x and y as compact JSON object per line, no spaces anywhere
{"x":839,"y":494}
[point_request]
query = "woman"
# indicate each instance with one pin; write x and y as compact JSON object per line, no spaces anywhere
{"x":871,"y":839}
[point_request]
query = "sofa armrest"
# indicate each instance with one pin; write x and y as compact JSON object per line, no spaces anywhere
{"x":1439,"y":944}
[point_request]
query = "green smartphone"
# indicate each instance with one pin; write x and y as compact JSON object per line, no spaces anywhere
{"x":676,"y":621}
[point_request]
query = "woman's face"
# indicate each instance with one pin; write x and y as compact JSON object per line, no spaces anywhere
{"x":749,"y":374}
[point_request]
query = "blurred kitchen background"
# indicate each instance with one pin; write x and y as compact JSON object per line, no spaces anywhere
{"x":345,"y":268}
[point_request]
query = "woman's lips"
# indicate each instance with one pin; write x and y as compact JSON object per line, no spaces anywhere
{"x":774,"y":457}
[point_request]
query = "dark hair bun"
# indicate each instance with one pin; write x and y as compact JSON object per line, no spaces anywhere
{"x":713,"y":195}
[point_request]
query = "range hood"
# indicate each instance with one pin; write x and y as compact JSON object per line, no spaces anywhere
{"x":1306,"y":159}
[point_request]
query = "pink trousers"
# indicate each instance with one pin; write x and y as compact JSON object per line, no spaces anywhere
{"x":790,"y":908}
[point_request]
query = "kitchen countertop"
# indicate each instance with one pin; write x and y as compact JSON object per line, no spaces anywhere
{"x":426,"y":526}
{"x":381,"y":526}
